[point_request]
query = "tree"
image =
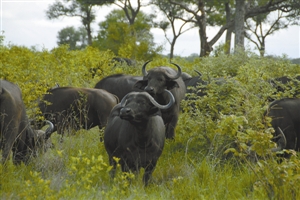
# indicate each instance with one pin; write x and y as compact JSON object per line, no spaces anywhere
{"x":171,"y":13}
{"x":76,"y":39}
{"x":267,"y":24}
{"x":117,"y":35}
{"x":76,"y":8}
{"x":130,"y":11}
{"x":261,"y":7}
{"x":201,"y":14}
{"x":229,"y":31}
{"x":239,"y":24}
{"x":203,"y":11}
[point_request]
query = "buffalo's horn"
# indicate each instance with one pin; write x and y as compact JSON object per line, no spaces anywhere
{"x":281,"y":142}
{"x":49,"y":130}
{"x":155,"y":103}
{"x":144,"y":71}
{"x":199,"y":73}
{"x":123,"y":101}
{"x":178,"y":73}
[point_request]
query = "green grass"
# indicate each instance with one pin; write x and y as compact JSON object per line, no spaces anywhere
{"x":78,"y":168}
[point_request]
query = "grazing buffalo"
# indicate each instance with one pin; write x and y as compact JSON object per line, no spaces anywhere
{"x":191,"y":82}
{"x":285,"y":114}
{"x":155,"y":82}
{"x":284,"y":83}
{"x":77,"y":107}
{"x":135,"y":133}
{"x":186,"y":76}
{"x":16,"y":134}
{"x":119,"y":84}
{"x":126,"y":61}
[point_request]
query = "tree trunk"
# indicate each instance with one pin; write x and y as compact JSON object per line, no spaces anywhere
{"x":239,"y":25}
{"x":202,"y":42}
{"x":87,"y":23}
{"x":262,"y":47}
{"x":205,"y":47}
{"x":89,"y":33}
{"x":172,"y":47}
{"x":229,"y":30}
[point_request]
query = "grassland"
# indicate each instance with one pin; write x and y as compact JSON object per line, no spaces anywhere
{"x":210,"y":158}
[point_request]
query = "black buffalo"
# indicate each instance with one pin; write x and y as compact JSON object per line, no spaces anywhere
{"x":127,"y":61}
{"x":192,"y":82}
{"x":16,"y":133}
{"x":285,"y":115}
{"x":78,"y":108}
{"x":135,"y":133}
{"x":119,"y":84}
{"x":155,"y":82}
{"x":283,"y":84}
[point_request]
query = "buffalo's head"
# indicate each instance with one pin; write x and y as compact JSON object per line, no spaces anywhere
{"x":43,"y":140}
{"x":158,"y":79}
{"x":139,"y":106}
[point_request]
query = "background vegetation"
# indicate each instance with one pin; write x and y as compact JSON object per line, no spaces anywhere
{"x":129,"y":23}
{"x":221,"y":147}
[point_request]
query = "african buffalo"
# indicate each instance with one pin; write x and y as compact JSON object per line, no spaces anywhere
{"x":191,"y":82}
{"x":119,"y":84}
{"x":285,"y":115}
{"x":77,"y":107}
{"x":127,"y":61}
{"x":16,"y":134}
{"x":284,"y":83}
{"x":155,"y":82}
{"x":135,"y":133}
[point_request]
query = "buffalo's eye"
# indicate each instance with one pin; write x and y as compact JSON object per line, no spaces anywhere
{"x":141,"y":102}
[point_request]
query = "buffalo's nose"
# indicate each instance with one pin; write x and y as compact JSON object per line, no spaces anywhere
{"x":149,"y":90}
{"x":125,"y":111}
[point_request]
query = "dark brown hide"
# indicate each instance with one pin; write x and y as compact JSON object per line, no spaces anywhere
{"x":15,"y":130}
{"x":285,"y":114}
{"x":119,"y":84}
{"x":78,"y":108}
{"x":155,"y":81}
{"x":135,"y":133}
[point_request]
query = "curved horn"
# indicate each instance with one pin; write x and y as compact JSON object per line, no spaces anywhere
{"x":123,"y":101}
{"x":281,"y":142}
{"x":49,"y":130}
{"x":199,"y":73}
{"x":163,"y":107}
{"x":144,"y":71}
{"x":178,"y":73}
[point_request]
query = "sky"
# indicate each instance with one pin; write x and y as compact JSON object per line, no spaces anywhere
{"x":24,"y":22}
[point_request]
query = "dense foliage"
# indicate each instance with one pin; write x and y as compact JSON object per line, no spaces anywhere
{"x":221,"y":146}
{"x":76,"y":39}
{"x":125,"y":40}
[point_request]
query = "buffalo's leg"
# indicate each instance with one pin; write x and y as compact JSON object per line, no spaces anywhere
{"x":170,"y":128}
{"x":148,"y":172}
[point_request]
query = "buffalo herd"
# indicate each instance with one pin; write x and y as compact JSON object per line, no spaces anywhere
{"x":138,"y":113}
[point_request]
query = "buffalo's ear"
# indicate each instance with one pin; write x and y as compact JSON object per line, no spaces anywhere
{"x":154,"y":111}
{"x":140,"y":84}
{"x":171,"y":84}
